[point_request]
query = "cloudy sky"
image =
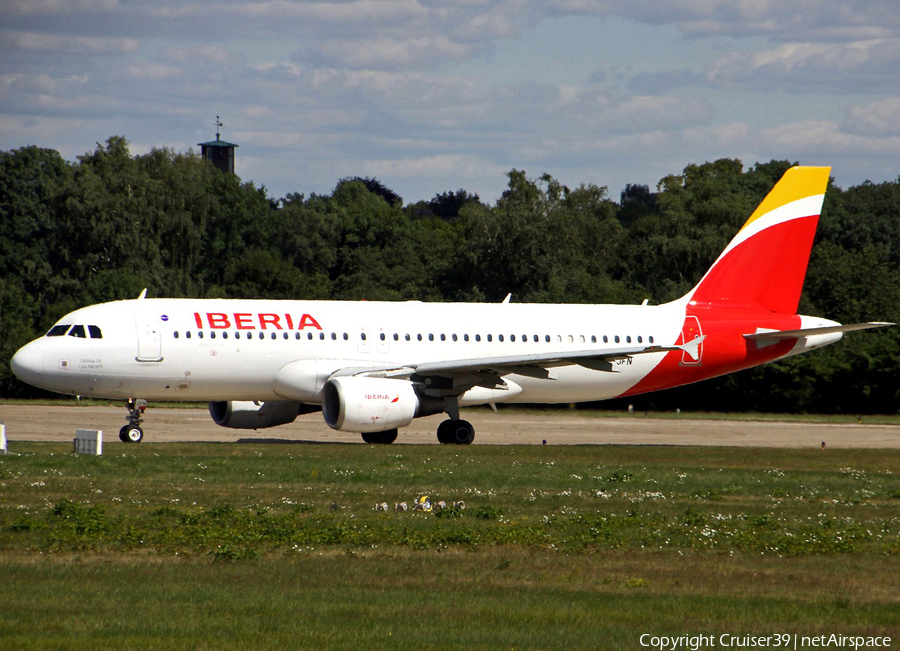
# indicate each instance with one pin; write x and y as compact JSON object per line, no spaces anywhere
{"x":436,"y":95}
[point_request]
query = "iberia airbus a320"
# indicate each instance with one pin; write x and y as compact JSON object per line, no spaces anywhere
{"x":372,"y":367}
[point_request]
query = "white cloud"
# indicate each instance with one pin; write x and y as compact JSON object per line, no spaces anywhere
{"x":386,"y":52}
{"x":802,"y":67}
{"x":63,"y":44}
{"x":875,"y":119}
{"x":797,"y":20}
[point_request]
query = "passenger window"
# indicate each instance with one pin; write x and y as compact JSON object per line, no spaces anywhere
{"x":617,"y":338}
{"x":224,"y":335}
{"x":650,"y":339}
{"x":262,"y":335}
{"x":465,"y":337}
{"x":187,"y":335}
{"x":346,"y":337}
{"x":296,"y":336}
{"x":407,"y":337}
{"x":58,"y":330}
{"x":175,"y":334}
{"x":640,"y":339}
{"x":381,"y":336}
{"x":628,"y":339}
{"x":454,"y":337}
{"x":95,"y":332}
{"x":78,"y":331}
{"x":593,"y":339}
{"x":396,"y":337}
{"x":547,"y":338}
{"x":212,"y":335}
{"x":430,"y":337}
{"x":512,"y":337}
{"x":362,"y":336}
{"x":200,"y":335}
{"x":443,"y":337}
{"x":477,"y":337}
{"x":333,"y":336}
{"x":273,"y":335}
{"x":605,"y":339}
{"x":285,"y":335}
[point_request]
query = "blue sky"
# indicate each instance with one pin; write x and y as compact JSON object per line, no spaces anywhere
{"x":437,"y":95}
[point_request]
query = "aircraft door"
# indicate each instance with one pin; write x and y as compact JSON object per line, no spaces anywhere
{"x":690,"y":331}
{"x":382,"y":343}
{"x":149,"y":339}
{"x":364,"y":343}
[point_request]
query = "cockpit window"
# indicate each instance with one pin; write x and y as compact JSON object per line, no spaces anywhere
{"x":95,"y":332}
{"x":58,"y":331}
{"x":78,"y":331}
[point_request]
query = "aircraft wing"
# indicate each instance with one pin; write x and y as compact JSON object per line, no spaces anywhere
{"x":487,"y":371}
{"x":592,"y":359}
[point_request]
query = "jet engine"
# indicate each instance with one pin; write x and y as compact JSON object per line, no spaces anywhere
{"x":242,"y":414}
{"x":364,"y":404}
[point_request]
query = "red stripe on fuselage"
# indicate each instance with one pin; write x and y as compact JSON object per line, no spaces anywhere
{"x":725,"y":349}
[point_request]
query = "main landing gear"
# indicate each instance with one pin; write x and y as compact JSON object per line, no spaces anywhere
{"x":451,"y":431}
{"x":456,"y":431}
{"x":132,"y":432}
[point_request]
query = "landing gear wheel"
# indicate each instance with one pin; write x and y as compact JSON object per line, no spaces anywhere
{"x":457,"y":432}
{"x":380,"y":438}
{"x":131,"y":434}
{"x":443,"y":432}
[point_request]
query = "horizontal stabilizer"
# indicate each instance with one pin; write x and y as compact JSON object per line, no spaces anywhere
{"x":809,"y":332}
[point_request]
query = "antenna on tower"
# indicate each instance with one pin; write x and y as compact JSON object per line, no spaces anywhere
{"x":218,"y":124}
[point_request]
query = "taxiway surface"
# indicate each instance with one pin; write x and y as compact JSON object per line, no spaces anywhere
{"x":510,"y":426}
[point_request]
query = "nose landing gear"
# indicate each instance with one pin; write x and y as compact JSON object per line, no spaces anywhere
{"x":132,"y":432}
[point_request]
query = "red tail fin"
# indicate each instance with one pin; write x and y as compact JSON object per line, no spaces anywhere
{"x":765,"y":263}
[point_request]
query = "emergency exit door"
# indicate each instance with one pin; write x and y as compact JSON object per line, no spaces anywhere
{"x":149,"y":340}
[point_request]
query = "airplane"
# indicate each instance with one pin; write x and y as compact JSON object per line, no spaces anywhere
{"x":372,"y":367}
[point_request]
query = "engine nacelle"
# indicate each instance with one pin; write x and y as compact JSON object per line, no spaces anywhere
{"x":244,"y":414}
{"x":364,"y":404}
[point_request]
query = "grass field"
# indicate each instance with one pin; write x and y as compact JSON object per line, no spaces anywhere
{"x":224,"y":546}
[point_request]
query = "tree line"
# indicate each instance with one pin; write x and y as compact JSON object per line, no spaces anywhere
{"x":110,"y":224}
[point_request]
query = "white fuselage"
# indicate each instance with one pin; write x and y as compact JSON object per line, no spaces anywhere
{"x":215,"y":350}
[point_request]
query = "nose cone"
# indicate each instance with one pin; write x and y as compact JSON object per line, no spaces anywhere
{"x":28,"y":363}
